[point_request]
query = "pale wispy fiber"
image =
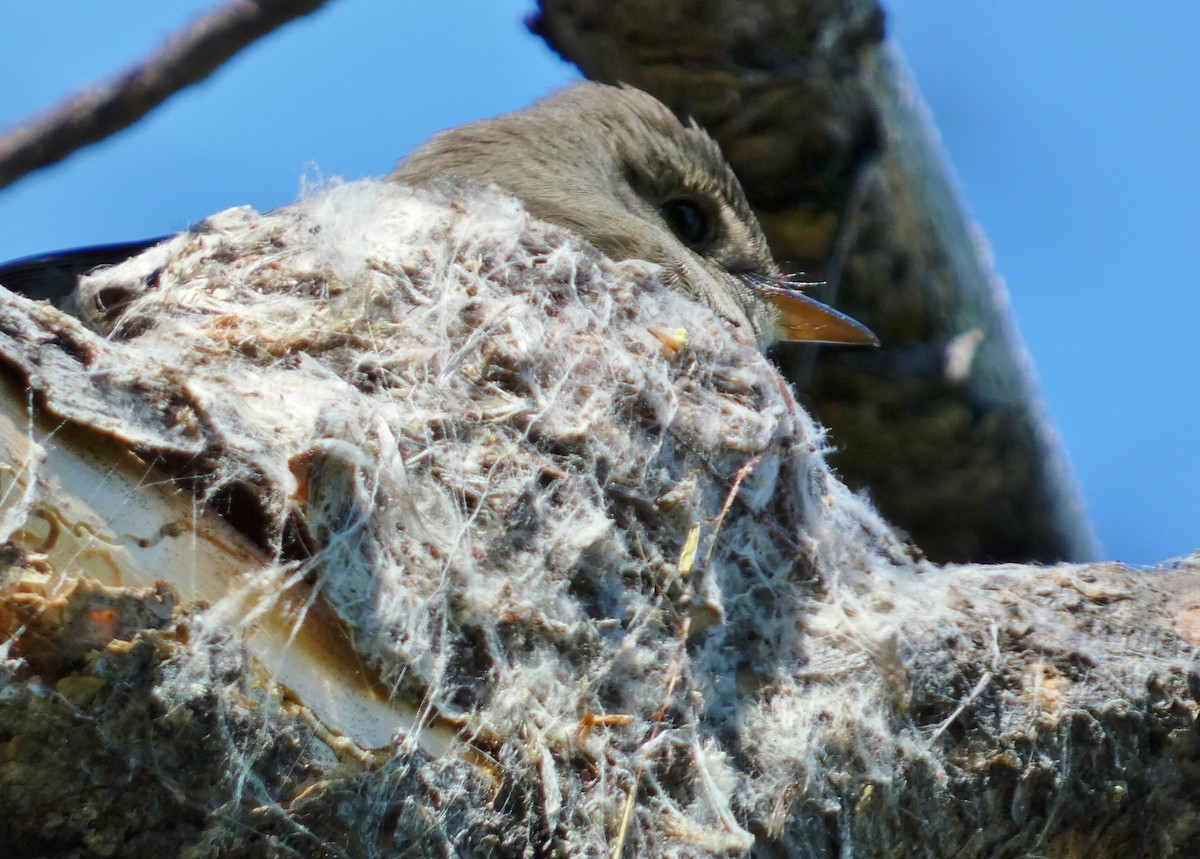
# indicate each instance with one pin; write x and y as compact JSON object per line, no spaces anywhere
{"x":497,"y":446}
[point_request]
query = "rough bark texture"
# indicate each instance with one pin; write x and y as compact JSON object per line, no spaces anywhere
{"x":943,"y":425}
{"x":605,"y":564}
{"x":607,"y":568}
{"x":1060,"y":723}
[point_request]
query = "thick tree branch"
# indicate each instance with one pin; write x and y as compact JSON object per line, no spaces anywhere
{"x":530,"y":576}
{"x":188,"y":57}
{"x":393,"y":523}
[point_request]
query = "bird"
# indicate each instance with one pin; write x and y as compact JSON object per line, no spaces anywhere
{"x":612,"y":164}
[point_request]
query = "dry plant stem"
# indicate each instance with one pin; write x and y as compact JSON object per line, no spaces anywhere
{"x":187,"y":58}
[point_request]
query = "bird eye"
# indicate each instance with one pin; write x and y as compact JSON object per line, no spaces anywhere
{"x":688,"y":221}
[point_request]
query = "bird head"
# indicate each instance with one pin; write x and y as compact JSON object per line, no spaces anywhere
{"x":616,"y":166}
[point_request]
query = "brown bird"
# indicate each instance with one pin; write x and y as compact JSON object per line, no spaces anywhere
{"x":616,"y":166}
{"x":612,"y":164}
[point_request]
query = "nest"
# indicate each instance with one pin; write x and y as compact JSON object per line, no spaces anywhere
{"x":561,"y":509}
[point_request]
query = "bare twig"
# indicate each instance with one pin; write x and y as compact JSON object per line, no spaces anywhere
{"x":187,"y":58}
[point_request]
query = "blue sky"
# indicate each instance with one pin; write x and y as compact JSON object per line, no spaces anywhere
{"x":1074,"y":139}
{"x":1075,"y":136}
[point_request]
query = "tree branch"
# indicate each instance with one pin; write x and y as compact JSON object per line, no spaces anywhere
{"x":188,"y":57}
{"x":597,"y":591}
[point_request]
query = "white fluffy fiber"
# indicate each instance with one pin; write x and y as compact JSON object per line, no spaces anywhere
{"x":477,"y":426}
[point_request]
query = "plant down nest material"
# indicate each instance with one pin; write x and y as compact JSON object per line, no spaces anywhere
{"x":571,"y":517}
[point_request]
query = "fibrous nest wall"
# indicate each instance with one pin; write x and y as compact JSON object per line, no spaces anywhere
{"x":571,"y":517}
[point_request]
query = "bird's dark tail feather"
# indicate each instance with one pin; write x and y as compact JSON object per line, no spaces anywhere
{"x":53,"y":276}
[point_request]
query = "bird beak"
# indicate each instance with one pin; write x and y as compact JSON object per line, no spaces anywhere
{"x":805,"y":319}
